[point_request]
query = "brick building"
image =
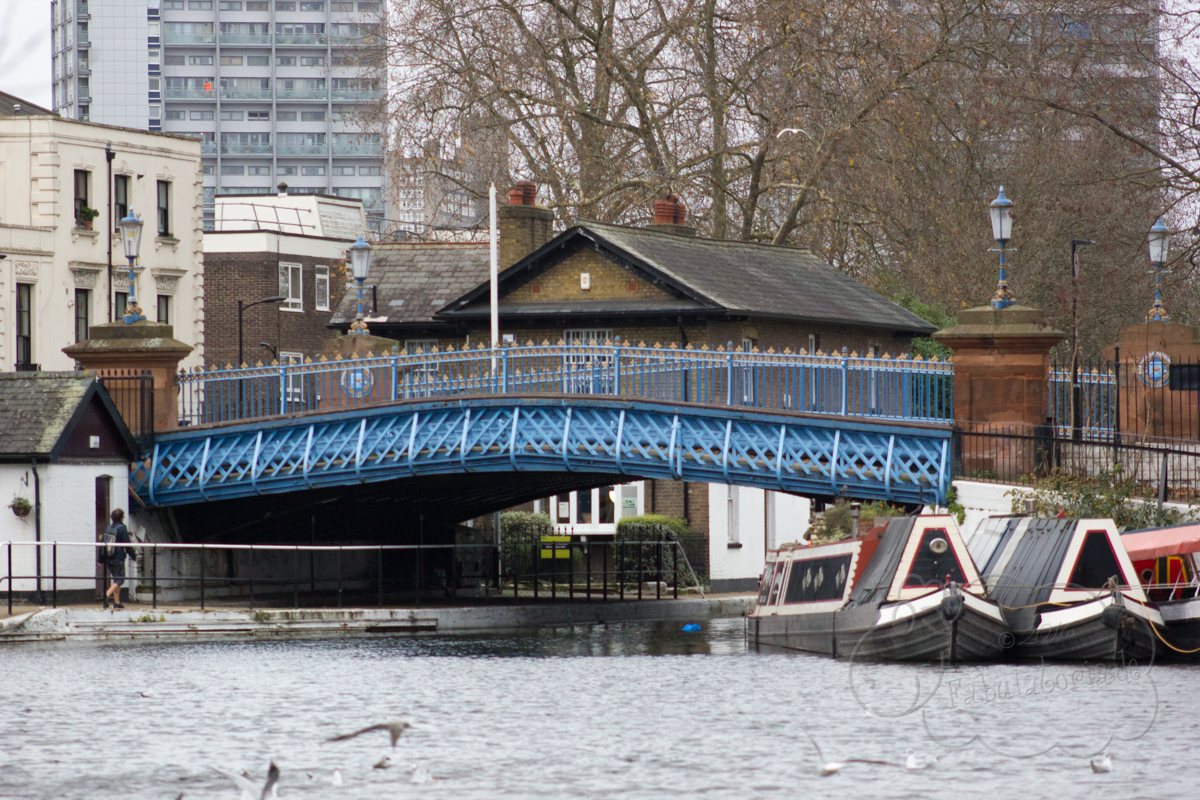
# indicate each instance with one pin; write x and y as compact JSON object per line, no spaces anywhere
{"x":293,"y":247}
{"x":659,"y":284}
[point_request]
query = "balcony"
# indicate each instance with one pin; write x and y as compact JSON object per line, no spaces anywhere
{"x":300,"y":94}
{"x":239,"y":149}
{"x":81,"y":10}
{"x":357,"y":149}
{"x":189,"y":38}
{"x":358,"y":95}
{"x":245,"y":38}
{"x":301,"y":150}
{"x":208,"y":148}
{"x":245,"y":93}
{"x":172,"y":93}
{"x":299,"y":38}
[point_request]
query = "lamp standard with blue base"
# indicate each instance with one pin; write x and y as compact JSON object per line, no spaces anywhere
{"x":1159,"y":238}
{"x":1001,"y":213}
{"x":360,"y":264}
{"x":131,"y":238}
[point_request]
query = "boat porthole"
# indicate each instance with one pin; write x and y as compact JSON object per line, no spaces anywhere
{"x":939,"y":546}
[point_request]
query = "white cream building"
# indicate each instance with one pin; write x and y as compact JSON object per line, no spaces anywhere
{"x":58,"y":277}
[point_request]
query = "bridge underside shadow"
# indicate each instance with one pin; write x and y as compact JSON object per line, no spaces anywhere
{"x":391,"y":512}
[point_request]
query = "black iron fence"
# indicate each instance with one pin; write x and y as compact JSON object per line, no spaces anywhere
{"x":1127,"y":398}
{"x":360,"y":574}
{"x":132,"y":392}
{"x":1008,"y":453}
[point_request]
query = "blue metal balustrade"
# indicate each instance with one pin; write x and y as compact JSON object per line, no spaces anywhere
{"x":1098,"y":402}
{"x":804,"y":453}
{"x":843,"y":384}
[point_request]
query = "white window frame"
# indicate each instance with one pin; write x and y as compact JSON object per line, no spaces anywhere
{"x":321,"y":282}
{"x":295,"y":383}
{"x":591,"y":528}
{"x":291,"y":286}
{"x":733,"y":511}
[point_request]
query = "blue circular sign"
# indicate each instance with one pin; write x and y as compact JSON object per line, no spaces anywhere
{"x":1155,"y":369}
{"x":357,"y":382}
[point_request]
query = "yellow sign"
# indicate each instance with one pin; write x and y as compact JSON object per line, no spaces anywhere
{"x":559,"y":547}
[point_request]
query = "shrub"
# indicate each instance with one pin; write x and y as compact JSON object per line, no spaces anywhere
{"x":1109,"y":494}
{"x":634,"y":560}
{"x":520,"y":532}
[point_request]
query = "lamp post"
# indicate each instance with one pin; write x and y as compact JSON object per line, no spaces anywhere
{"x":1000,"y":210}
{"x":1158,"y":238}
{"x":1076,"y":394}
{"x":131,"y":238}
{"x":360,"y":264}
{"x":241,"y":309}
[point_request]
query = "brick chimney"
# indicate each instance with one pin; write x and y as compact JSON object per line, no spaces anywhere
{"x":524,"y":225}
{"x":669,"y":214}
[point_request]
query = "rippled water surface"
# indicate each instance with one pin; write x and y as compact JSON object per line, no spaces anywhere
{"x":635,"y":710}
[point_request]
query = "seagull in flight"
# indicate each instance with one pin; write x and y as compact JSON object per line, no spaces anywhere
{"x":827,"y":768}
{"x":1102,"y":764}
{"x":394,"y":728}
{"x":791,"y":130}
{"x":248,"y":790}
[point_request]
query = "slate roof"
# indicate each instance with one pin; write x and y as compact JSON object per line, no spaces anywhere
{"x":37,"y":408}
{"x":719,"y":275}
{"x":8,"y":101}
{"x":413,"y":281}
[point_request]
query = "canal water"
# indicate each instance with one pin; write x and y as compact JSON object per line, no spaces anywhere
{"x":632,"y":710}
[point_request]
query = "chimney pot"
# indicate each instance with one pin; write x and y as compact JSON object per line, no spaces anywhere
{"x":16,"y":108}
{"x":283,"y":190}
{"x":669,"y":211}
{"x":522,"y":193}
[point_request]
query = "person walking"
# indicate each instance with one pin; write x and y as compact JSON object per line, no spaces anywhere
{"x":112,"y":555}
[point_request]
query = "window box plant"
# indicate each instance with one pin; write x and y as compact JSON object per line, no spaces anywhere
{"x":86,"y":216}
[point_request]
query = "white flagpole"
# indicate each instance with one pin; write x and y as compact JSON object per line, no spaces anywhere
{"x":495,"y":273}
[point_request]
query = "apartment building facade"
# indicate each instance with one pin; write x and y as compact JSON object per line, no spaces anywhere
{"x":277,"y":90}
{"x":67,"y":184}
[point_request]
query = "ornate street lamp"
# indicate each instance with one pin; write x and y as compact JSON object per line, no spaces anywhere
{"x":1001,"y":212}
{"x":131,"y":237}
{"x":1158,"y":238}
{"x":360,"y":264}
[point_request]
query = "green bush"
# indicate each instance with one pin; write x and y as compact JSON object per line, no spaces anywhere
{"x":1109,"y":494}
{"x":633,"y":560}
{"x":520,"y":532}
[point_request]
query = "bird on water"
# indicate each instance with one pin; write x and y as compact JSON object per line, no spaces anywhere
{"x":827,"y":768}
{"x":248,"y":789}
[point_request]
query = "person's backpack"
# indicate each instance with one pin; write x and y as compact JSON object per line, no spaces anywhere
{"x":109,"y":536}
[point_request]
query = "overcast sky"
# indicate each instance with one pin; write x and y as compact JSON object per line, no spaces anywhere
{"x":25,"y":49}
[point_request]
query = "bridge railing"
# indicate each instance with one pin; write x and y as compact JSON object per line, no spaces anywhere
{"x":899,"y":388}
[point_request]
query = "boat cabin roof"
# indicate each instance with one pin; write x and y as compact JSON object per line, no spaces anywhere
{"x":1176,"y":540}
{"x":1027,"y":561}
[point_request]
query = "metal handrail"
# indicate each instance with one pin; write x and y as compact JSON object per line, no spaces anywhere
{"x":534,"y":577}
{"x":845,"y":384}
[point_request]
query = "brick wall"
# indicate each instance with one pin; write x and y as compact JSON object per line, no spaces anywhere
{"x":666,"y":497}
{"x":609,"y":281}
{"x":230,"y":277}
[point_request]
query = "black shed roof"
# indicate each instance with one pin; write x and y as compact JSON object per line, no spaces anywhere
{"x":414,"y":281}
{"x":40,"y":409}
{"x":713,"y":275}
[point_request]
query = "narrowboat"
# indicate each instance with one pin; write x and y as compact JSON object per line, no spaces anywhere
{"x":1067,"y":589}
{"x":1166,"y":561}
{"x":904,"y":592}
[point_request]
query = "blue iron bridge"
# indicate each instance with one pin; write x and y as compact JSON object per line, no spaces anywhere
{"x":874,"y":428}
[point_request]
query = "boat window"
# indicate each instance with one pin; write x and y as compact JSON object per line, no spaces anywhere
{"x":818,"y":579}
{"x":935,"y":561}
{"x":765,"y":587}
{"x":777,"y":583}
{"x":1096,"y":563}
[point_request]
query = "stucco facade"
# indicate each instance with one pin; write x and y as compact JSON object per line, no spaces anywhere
{"x":56,"y":280}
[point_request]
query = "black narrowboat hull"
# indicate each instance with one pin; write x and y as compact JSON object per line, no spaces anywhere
{"x":1182,"y":620}
{"x":1083,"y":633}
{"x":915,"y":630}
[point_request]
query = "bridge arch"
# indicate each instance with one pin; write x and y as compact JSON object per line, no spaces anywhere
{"x":787,"y":451}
